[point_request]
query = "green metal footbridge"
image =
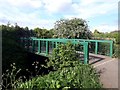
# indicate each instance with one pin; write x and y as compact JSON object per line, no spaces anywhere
{"x":44,"y":47}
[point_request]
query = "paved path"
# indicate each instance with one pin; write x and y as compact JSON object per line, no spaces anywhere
{"x":108,"y":70}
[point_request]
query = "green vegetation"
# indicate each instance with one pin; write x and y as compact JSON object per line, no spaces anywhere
{"x":115,"y":35}
{"x":11,"y":50}
{"x":63,"y":56}
{"x":9,"y":78}
{"x":79,"y":76}
{"x":72,"y":28}
{"x":43,"y":33}
{"x":69,"y":72}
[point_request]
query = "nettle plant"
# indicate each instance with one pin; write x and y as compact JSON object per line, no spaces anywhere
{"x":63,"y":56}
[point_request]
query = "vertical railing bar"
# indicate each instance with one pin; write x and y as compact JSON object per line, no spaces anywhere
{"x":47,"y":48}
{"x":111,"y":48}
{"x":86,"y":53}
{"x":39,"y":46}
{"x":96,"y":47}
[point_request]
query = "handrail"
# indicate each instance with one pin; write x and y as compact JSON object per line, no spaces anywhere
{"x":84,"y":42}
{"x":56,"y":41}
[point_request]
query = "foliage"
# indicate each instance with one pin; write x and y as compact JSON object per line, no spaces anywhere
{"x":72,"y":28}
{"x":9,"y":78}
{"x":98,"y":34}
{"x":63,"y":56}
{"x":12,"y":77}
{"x":70,"y":73}
{"x":103,"y":48}
{"x":117,"y":38}
{"x":43,"y":33}
{"x":116,"y":51}
{"x":12,"y":53}
{"x":11,"y":50}
{"x":114,"y":35}
{"x":15,"y":32}
{"x":79,"y":76}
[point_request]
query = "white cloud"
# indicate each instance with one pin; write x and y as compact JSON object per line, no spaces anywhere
{"x":105,"y":28}
{"x":15,"y":11}
{"x":92,"y":8}
{"x":55,"y":6}
{"x":31,"y":20}
{"x":15,"y":15}
{"x":24,"y":3}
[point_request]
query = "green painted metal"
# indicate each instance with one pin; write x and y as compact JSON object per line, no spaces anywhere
{"x":111,"y":48}
{"x":39,"y":46}
{"x":96,"y":47}
{"x":47,"y":48}
{"x":86,"y":54}
{"x":54,"y":42}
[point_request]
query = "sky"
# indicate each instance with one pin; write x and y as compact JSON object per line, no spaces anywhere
{"x":99,"y":14}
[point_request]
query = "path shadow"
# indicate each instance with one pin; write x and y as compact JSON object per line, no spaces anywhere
{"x":94,"y":59}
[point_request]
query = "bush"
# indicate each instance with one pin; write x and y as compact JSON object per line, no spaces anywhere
{"x":63,"y":56}
{"x":70,"y":73}
{"x":103,"y":48}
{"x":116,"y":51}
{"x":79,"y":76}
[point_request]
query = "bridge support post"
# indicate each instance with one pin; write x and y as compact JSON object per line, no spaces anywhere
{"x":47,"y":48}
{"x":96,"y":47}
{"x":86,"y":53}
{"x":111,"y":48}
{"x":39,"y":46}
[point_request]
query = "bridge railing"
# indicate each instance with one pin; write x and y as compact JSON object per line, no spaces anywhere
{"x":38,"y":45}
{"x":42,"y":46}
{"x":97,"y":46}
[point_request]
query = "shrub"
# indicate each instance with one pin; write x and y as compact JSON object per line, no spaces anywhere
{"x":79,"y":76}
{"x":63,"y":56}
{"x":70,"y":73}
{"x":103,"y":48}
{"x":116,"y":51}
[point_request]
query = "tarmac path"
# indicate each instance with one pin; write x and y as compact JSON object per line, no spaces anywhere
{"x":108,"y":70}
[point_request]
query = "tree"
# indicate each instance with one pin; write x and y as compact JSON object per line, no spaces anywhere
{"x":72,"y":28}
{"x":43,"y":33}
{"x":38,"y":32}
{"x":96,"y":31}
